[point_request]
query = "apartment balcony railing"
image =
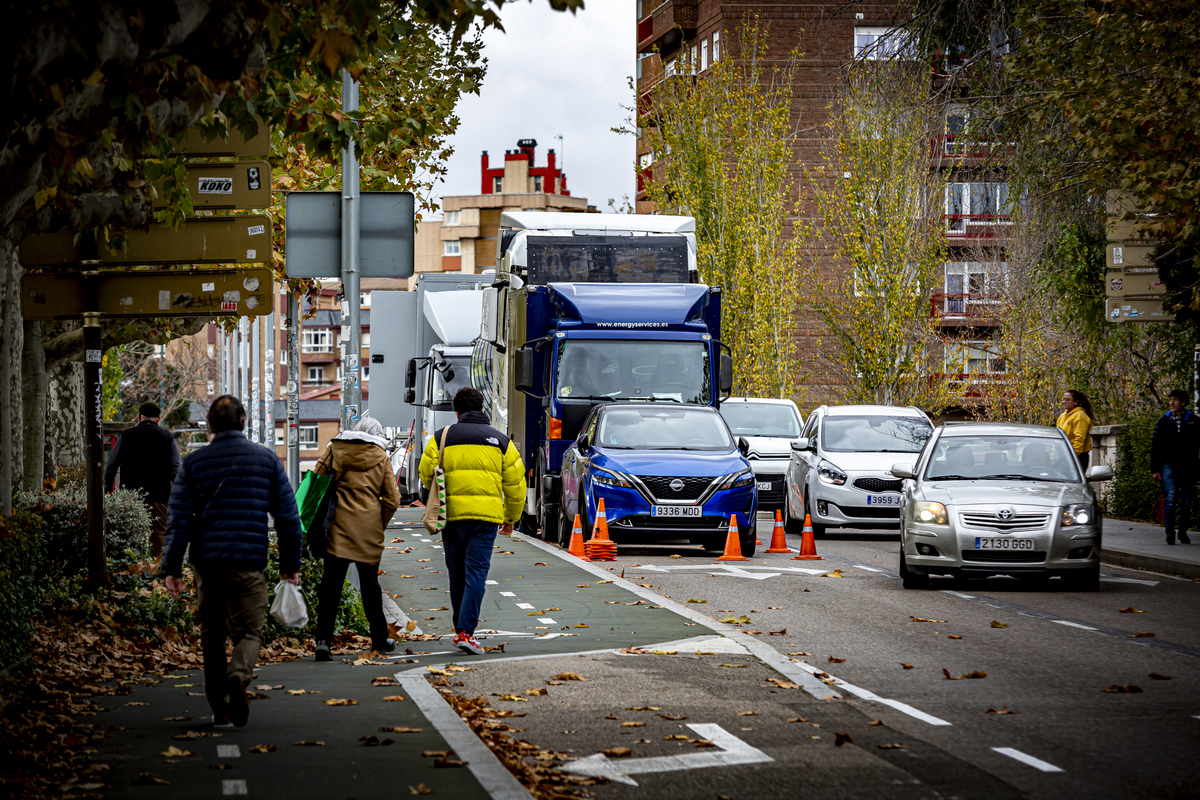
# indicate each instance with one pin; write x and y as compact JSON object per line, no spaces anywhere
{"x":316,"y":348}
{"x":971,"y":385}
{"x":956,"y":145}
{"x":977,"y":226}
{"x":963,"y":305}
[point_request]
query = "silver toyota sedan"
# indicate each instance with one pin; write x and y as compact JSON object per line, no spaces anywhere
{"x":988,"y":499}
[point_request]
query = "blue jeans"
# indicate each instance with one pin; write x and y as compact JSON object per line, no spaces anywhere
{"x":1177,"y":482}
{"x":467,"y":544}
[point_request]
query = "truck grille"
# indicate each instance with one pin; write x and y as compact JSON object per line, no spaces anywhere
{"x":878,"y":484}
{"x":1019,"y":522}
{"x":660,"y":487}
{"x":1005,"y":556}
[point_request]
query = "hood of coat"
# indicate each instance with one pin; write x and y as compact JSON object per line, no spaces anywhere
{"x":357,"y":451}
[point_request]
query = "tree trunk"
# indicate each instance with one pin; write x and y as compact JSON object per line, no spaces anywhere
{"x":10,"y":374}
{"x":33,"y":406}
{"x":65,"y":412}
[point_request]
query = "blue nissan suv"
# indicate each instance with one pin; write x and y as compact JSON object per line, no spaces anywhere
{"x":665,"y":471}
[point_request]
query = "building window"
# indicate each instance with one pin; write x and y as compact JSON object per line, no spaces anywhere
{"x":212,"y":351}
{"x":693,"y":61}
{"x":308,"y":437}
{"x":279,"y":440}
{"x":283,"y":356}
{"x":973,"y":358}
{"x":882,"y":44}
{"x":319,"y":340}
{"x":315,"y":374}
{"x":704,"y":55}
{"x":366,"y":338}
{"x":452,"y":218}
{"x":451,"y":247}
{"x":537,"y":183}
{"x":645,"y":159}
{"x":969,"y":284}
{"x":716,"y":46}
{"x":669,"y":68}
{"x":341,"y":373}
{"x":497,"y":184}
{"x":974,"y":204}
{"x":366,"y":374}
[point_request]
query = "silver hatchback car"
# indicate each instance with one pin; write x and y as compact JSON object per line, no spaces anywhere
{"x":988,"y":499}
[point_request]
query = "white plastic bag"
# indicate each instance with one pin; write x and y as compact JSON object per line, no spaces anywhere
{"x":288,"y":606}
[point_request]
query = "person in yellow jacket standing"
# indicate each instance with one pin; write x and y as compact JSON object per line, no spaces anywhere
{"x":485,"y":493}
{"x":1076,"y":420}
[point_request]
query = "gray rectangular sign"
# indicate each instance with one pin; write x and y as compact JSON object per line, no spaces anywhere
{"x":314,"y":235}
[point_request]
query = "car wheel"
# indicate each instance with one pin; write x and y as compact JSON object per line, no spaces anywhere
{"x":818,"y":530}
{"x":1085,"y":580}
{"x":911,"y":580}
{"x":791,"y":526}
{"x":549,"y":525}
{"x":748,"y":544}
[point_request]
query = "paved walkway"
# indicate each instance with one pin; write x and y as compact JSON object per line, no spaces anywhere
{"x":1143,"y":545}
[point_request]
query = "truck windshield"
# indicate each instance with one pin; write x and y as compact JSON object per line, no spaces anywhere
{"x":613,"y":369}
{"x":761,"y":419}
{"x":659,"y":428}
{"x":607,"y":259}
{"x":454,"y":374}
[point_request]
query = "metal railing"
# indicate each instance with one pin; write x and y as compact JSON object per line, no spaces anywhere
{"x":962,"y":304}
{"x":977,"y":226}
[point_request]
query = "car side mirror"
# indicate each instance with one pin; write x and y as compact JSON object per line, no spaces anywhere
{"x":1099,"y":472}
{"x":801,"y":445}
{"x":743,"y":445}
{"x":583,"y":444}
{"x":902,"y":470}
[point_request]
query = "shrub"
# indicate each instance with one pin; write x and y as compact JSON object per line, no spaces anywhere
{"x":64,"y":525}
{"x":1134,"y":493}
{"x":350,"y":615}
{"x":21,"y":581}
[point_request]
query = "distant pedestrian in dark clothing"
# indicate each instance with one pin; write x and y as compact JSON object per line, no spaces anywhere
{"x":148,"y":459}
{"x":1174,"y":460}
{"x":219,"y":509}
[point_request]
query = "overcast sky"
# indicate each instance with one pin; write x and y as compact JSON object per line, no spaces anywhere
{"x":554,"y":73}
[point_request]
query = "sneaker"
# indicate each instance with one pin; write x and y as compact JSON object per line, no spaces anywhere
{"x":467,"y":643}
{"x":387,"y":646}
{"x":221,"y":721}
{"x":239,"y":703}
{"x":1183,"y":538}
{"x":323,"y":653}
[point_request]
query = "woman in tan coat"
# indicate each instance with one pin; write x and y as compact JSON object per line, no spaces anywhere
{"x":367,"y":498}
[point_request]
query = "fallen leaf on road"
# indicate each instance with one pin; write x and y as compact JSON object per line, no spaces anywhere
{"x":906,"y":666}
{"x":676,"y":737}
{"x":398,"y":729}
{"x":841,"y":739}
{"x":778,"y":633}
{"x":448,"y":762}
{"x":393,"y":698}
{"x":384,"y":682}
{"x":183,"y":686}
{"x":581,"y":625}
{"x":335,"y":701}
{"x":701,"y":742}
{"x":676,"y":555}
{"x":612,"y":716}
{"x":949,"y":677}
{"x":175,"y":752}
{"x":540,"y":564}
{"x":507,"y":553}
{"x":952,"y":636}
{"x":150,"y":779}
{"x":735,"y":666}
{"x":1141,"y":636}
{"x":922,"y":619}
{"x":611,"y":602}
{"x":583,"y":586}
{"x":382,"y":572}
{"x":302,"y":691}
{"x":875,"y":722}
{"x":423,"y":559}
{"x":136,"y":703}
{"x":655,"y":606}
{"x":603,"y":581}
{"x":646,"y":585}
{"x":397,"y":540}
{"x":1132,"y":610}
{"x":436,"y":753}
{"x":799,"y":654}
{"x":420,"y":788}
{"x":999,"y":624}
{"x":747,"y":713}
{"x":672,"y":717}
{"x":308,"y":743}
{"x":643,"y":708}
{"x":1128,"y":688}
{"x":537,"y":692}
{"x":1002,"y":711}
{"x":694,"y":600}
{"x":263,"y":748}
{"x":618,"y":752}
{"x":176,"y":719}
{"x":1159,"y":677}
{"x":513,"y":698}
{"x":374,"y":741}
{"x":732,"y":620}
{"x":973,"y":675}
{"x":404,"y":576}
{"x":569,"y":676}
{"x":833,"y":660}
{"x":637,"y":603}
{"x":892,"y":746}
{"x":633,"y":724}
{"x":266,"y":687}
{"x":837,"y":573}
{"x":775,"y":608}
{"x":411,"y":626}
{"x":797,"y":719}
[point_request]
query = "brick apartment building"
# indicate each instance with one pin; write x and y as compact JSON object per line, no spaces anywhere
{"x":830,"y":37}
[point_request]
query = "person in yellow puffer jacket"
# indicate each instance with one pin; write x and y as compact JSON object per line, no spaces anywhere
{"x":485,"y":493}
{"x":1076,"y":421}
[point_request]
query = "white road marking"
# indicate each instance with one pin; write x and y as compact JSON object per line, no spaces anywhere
{"x":492,"y":583}
{"x":1115,"y":579}
{"x":393,"y":614}
{"x":1073,"y":624}
{"x":437,"y":547}
{"x":867,"y":694}
{"x":733,"y":751}
{"x":508,"y":594}
{"x":1036,"y":763}
{"x":427,"y":540}
{"x":228,"y":751}
{"x":959,"y":594}
{"x":868,"y":569}
{"x":740,"y":569}
{"x":525,"y":606}
{"x":546,"y":621}
{"x":236,"y":786}
{"x":493,"y":776}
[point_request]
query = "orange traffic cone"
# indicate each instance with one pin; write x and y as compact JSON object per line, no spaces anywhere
{"x":808,"y":543}
{"x":600,"y":547}
{"x":733,"y":545}
{"x":576,"y":547}
{"x":778,"y":538}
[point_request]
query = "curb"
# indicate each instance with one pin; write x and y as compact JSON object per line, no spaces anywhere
{"x":1169,"y":566}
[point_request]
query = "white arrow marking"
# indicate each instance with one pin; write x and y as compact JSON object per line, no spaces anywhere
{"x":733,"y":752}
{"x":735,"y":571}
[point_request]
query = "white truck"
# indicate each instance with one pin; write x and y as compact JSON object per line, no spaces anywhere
{"x":421,"y":346}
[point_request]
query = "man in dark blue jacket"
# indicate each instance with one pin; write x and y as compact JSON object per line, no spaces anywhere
{"x":1174,"y":460}
{"x":218,"y":509}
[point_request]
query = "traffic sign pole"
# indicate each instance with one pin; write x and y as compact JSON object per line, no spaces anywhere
{"x":293,"y":390}
{"x":269,"y":376}
{"x":255,"y":381}
{"x":93,"y":429}
{"x":351,"y":388}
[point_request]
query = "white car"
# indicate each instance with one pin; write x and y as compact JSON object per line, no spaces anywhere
{"x":839,"y":473}
{"x":769,"y":426}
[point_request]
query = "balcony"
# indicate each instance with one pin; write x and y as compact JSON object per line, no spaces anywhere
{"x":955,"y":149}
{"x":667,"y":25}
{"x":976,"y":308}
{"x":977,"y":226}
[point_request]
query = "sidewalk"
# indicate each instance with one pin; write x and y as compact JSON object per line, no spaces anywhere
{"x":1143,"y":546}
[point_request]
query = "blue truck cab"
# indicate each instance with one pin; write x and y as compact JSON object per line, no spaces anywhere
{"x":588,"y":309}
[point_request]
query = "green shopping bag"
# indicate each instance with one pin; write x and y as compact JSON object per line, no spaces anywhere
{"x":313,"y":499}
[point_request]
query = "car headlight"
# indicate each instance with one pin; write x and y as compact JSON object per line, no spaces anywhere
{"x":608,"y":478}
{"x":828,"y":473}
{"x":1078,"y":514}
{"x":930,"y":513}
{"x":739,"y":480}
